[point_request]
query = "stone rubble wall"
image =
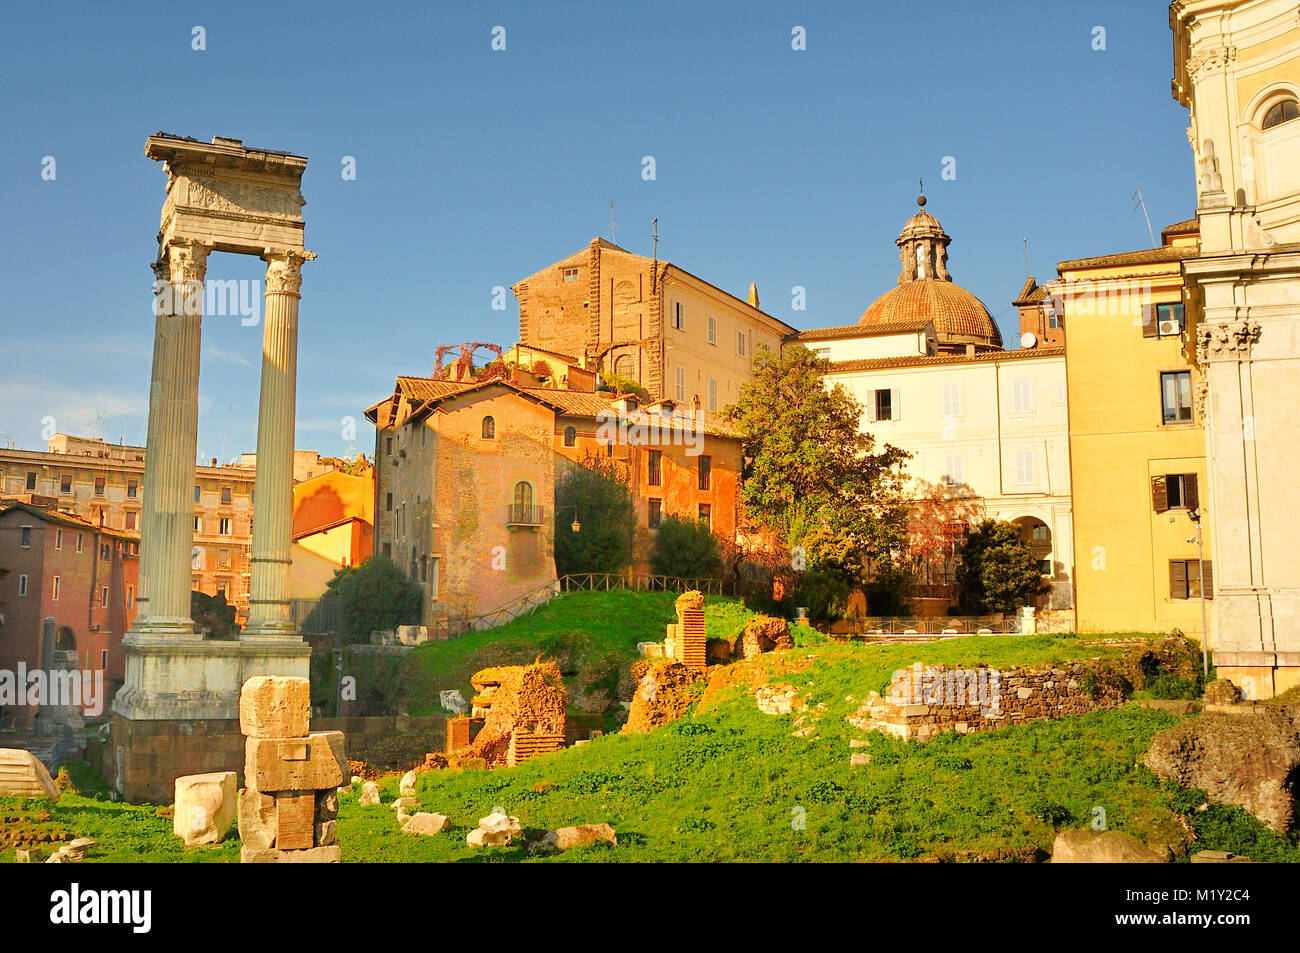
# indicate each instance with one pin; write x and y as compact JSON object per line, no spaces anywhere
{"x":969,"y":700}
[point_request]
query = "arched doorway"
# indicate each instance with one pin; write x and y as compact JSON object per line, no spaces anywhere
{"x":1038,"y":535}
{"x":65,"y":640}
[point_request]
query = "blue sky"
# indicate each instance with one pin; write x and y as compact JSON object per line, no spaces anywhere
{"x":476,"y":167}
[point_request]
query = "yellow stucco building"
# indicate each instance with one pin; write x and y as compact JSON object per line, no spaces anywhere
{"x":1137,"y":447}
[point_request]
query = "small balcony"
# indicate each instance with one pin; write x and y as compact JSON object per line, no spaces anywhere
{"x":521,"y":514}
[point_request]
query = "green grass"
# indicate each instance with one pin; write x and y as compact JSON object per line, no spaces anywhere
{"x":597,"y":628}
{"x":730,"y":783}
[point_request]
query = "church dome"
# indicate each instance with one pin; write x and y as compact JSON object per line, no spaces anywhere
{"x":957,"y":315}
{"x":926,"y":290}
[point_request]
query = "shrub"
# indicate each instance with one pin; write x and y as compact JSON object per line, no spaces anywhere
{"x":998,"y":572}
{"x":602,"y":501}
{"x":685,"y":548}
{"x":374,"y":596}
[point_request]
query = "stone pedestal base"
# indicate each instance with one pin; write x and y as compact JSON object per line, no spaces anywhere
{"x":269,"y":855}
{"x":178,"y":712}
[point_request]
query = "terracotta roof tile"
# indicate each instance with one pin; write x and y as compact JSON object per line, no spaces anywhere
{"x":1166,"y":253}
{"x":918,"y":360}
{"x":861,"y":331}
{"x":957,"y":314}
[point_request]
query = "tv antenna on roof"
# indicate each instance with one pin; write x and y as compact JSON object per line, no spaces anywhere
{"x":613,"y":224}
{"x":1137,"y":194}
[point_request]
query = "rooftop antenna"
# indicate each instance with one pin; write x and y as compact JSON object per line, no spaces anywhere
{"x":1026,"y":241}
{"x":1137,"y":194}
{"x":654,"y":269}
{"x":613,"y":224}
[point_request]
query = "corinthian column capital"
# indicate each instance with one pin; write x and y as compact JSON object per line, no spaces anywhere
{"x":284,"y":269}
{"x":188,"y":261}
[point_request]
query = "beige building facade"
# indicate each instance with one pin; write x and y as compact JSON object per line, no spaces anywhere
{"x":1237,"y":70}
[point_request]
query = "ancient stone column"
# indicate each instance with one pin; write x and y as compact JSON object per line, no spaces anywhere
{"x":167,"y":513}
{"x":269,"y":616}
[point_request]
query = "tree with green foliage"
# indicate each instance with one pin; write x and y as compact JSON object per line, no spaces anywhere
{"x":375,"y":595}
{"x":685,"y":548}
{"x":598,"y":496}
{"x":811,"y":475}
{"x":997,"y":571}
{"x":622,"y":384}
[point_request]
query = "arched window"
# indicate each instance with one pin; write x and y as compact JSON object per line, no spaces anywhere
{"x":623,"y":365}
{"x":64,"y":640}
{"x":523,"y":493}
{"x":489,"y":428}
{"x":570,"y":436}
{"x":1279,"y":113}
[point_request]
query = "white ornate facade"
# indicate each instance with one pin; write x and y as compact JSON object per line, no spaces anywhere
{"x":1237,"y":69}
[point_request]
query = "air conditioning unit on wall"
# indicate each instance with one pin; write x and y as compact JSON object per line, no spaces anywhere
{"x":1169,"y":327}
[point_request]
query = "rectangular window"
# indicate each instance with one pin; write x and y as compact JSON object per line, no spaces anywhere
{"x":130,"y":519}
{"x":31,"y":479}
{"x":1169,"y":320}
{"x":713,"y":395}
{"x":130,"y":597}
{"x":388,"y":550}
{"x":388,"y":503}
{"x":713,"y":330}
{"x":1185,"y":579}
{"x":679,"y":316}
{"x":952,"y":469}
{"x":706,"y":472}
{"x":740,"y":343}
{"x":822,"y":353}
{"x":681,"y":384}
{"x":65,"y":485}
{"x":103,"y":596}
{"x":706,"y":515}
{"x":1025,"y":467}
{"x":22,"y":585}
{"x":58,"y":539}
{"x":654,"y":468}
{"x":1176,"y":396}
{"x":884,"y":405}
{"x":225,"y":495}
{"x":952,"y":400}
{"x":105,"y":551}
{"x":99,"y":486}
{"x":132,"y":489}
{"x":1060,"y":393}
{"x":655,"y":515}
{"x":224,"y":528}
{"x":1174,"y":491}
{"x":25,"y":537}
{"x":1022,"y":396}
{"x":78,"y":542}
{"x":103,"y":658}
{"x":54,"y":589}
{"x":570,"y":274}
{"x":1053,"y":319}
{"x":198,"y":524}
{"x":388,"y":446}
{"x":223,"y":559}
{"x":196,"y":493}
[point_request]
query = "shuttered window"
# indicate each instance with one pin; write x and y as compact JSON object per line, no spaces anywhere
{"x":1185,"y":579}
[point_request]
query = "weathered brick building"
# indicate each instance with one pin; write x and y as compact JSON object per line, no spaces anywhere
{"x":54,"y":565}
{"x":466,"y":474}
{"x":674,"y":333}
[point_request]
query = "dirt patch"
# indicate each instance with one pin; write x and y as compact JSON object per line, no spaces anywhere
{"x":750,"y":675}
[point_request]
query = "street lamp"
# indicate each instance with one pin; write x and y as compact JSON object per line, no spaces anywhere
{"x":1195,"y":516}
{"x":575,"y":525}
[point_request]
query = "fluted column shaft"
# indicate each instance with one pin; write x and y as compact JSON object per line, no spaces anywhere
{"x":269,"y":615}
{"x":167,"y":511}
